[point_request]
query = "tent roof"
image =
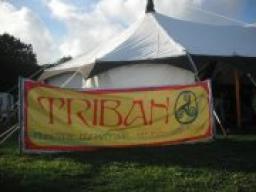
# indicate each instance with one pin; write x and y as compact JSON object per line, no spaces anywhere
{"x":158,"y":37}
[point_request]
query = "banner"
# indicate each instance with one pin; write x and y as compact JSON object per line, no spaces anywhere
{"x":56,"y":119}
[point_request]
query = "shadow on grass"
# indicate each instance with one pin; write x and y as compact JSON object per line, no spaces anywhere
{"x":230,"y":154}
{"x":111,"y":169}
{"x":235,"y":153}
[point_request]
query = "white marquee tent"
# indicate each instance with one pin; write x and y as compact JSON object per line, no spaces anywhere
{"x":156,"y":50}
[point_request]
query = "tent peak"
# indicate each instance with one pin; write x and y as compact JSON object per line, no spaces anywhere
{"x":150,"y":8}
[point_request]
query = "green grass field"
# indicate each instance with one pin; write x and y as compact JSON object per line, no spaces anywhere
{"x":223,"y":165}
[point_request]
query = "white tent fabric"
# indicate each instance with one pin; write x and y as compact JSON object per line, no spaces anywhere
{"x":149,"y":41}
{"x":85,"y":62}
{"x":67,"y":80}
{"x":141,"y":75}
{"x":160,"y":36}
{"x":157,"y":36}
{"x":199,"y":15}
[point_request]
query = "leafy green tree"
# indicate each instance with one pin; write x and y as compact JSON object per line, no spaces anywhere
{"x":16,"y":59}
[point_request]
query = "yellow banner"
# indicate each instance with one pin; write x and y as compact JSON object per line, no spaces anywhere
{"x":58,"y":119}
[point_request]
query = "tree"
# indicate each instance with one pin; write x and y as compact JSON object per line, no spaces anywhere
{"x":16,"y":59}
{"x":63,"y":60}
{"x":58,"y":62}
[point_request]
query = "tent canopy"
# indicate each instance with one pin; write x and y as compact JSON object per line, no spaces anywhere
{"x":157,"y":38}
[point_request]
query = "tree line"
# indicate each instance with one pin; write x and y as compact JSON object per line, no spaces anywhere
{"x":17,"y":59}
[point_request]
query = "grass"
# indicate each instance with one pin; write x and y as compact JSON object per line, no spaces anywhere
{"x":227,"y":164}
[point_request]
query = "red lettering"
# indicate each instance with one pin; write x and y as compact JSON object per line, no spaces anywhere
{"x":51,"y":104}
{"x":163,"y":106}
{"x":139,"y":104}
{"x":112,"y":108}
{"x":69,"y":111}
{"x":95,"y":112}
{"x":80,"y":113}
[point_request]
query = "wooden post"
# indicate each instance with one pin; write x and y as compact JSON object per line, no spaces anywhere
{"x":238,"y":104}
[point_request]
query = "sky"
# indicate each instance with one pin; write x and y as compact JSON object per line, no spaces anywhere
{"x":58,"y":28}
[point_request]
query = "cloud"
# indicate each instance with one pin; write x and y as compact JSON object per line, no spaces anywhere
{"x":24,"y":24}
{"x":232,"y":9}
{"x":96,"y":22}
{"x":219,"y":12}
{"x":88,"y":28}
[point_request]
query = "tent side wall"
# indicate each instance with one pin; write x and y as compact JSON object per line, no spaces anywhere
{"x":136,"y":75}
{"x":67,"y":80}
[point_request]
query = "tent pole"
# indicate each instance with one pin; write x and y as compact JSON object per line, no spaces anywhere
{"x":193,"y":66}
{"x":238,"y":98}
{"x":198,"y":79}
{"x":20,"y":114}
{"x":63,"y":85}
{"x":249,"y":75}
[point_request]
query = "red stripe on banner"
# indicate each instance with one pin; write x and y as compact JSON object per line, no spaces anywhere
{"x":30,"y":146}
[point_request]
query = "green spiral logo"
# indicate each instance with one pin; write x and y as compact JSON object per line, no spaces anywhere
{"x":186,"y":107}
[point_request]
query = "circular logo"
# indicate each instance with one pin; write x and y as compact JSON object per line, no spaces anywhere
{"x":186,"y":107}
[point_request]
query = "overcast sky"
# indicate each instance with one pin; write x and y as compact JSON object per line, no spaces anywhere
{"x":59,"y":28}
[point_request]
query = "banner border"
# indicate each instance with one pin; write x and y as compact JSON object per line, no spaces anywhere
{"x":29,"y":147}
